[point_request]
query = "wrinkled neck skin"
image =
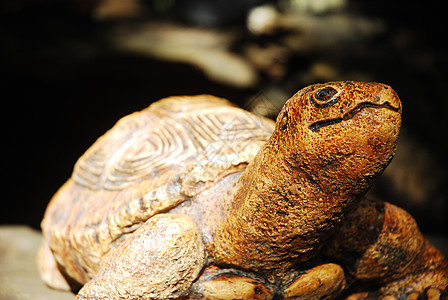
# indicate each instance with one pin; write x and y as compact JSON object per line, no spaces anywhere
{"x":288,"y":201}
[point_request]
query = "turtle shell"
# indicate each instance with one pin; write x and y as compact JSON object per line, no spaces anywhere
{"x":148,"y":163}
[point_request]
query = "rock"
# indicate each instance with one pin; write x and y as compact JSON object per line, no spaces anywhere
{"x":19,"y":277}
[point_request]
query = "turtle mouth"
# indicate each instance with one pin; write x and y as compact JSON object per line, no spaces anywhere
{"x":350,"y":114}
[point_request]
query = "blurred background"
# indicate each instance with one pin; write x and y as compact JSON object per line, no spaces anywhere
{"x":70,"y":69}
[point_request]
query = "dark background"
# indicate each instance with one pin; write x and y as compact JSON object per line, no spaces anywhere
{"x":63,"y":85}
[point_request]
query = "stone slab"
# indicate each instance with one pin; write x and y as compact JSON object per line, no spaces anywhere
{"x":19,"y":277}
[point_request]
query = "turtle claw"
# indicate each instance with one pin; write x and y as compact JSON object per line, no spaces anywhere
{"x":228,"y":284}
{"x":324,"y":281}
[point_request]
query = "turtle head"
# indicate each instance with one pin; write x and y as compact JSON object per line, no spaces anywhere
{"x":346,"y":130}
{"x":329,"y":144}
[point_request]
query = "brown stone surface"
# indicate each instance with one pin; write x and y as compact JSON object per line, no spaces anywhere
{"x":19,"y":278}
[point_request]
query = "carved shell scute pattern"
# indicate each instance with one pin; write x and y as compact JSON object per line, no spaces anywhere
{"x":148,"y":143}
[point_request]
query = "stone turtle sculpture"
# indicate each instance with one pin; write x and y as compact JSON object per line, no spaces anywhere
{"x":194,"y":198}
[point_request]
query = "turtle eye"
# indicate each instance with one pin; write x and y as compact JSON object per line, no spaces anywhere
{"x":324,"y":97}
{"x":325,"y":94}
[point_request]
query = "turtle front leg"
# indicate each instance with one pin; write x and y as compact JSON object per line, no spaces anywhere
{"x":160,"y":260}
{"x":380,"y":245}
